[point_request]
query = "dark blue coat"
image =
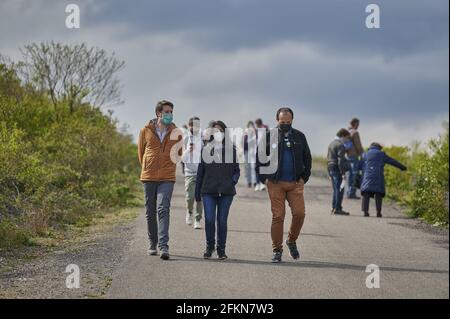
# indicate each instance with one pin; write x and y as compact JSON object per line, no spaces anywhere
{"x":372,"y":164}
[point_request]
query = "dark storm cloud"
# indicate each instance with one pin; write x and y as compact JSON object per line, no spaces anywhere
{"x":407,"y":25}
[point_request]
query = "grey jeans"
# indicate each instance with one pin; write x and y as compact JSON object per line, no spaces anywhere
{"x":157,"y":210}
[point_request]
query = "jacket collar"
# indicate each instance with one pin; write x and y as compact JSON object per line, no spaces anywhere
{"x":152,"y":126}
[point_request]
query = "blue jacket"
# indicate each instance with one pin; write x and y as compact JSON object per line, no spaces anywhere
{"x":372,"y":164}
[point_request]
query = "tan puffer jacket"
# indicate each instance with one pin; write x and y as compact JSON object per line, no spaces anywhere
{"x":155,"y":156}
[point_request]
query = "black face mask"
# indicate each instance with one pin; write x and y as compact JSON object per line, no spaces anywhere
{"x":285,"y":127}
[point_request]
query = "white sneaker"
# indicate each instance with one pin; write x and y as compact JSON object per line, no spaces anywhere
{"x":258,"y":187}
{"x":189,"y":219}
{"x":262,"y":187}
{"x":197,"y":225}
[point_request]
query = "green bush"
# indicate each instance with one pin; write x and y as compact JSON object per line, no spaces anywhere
{"x":424,"y":187}
{"x":57,"y":166}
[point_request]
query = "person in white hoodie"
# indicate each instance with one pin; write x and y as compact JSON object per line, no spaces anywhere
{"x":191,"y":159}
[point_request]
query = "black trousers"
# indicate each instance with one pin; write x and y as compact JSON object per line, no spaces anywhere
{"x":378,"y":202}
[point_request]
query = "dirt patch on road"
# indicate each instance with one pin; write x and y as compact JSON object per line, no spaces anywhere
{"x":39,"y":271}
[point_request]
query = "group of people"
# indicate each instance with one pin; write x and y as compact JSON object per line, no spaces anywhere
{"x":211,"y":169}
{"x":348,"y":164}
{"x":249,"y":147}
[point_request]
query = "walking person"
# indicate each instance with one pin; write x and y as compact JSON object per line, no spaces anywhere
{"x":158,"y":175}
{"x":216,"y":181}
{"x":354,"y":155}
{"x":338,"y":165}
{"x":293,"y":156}
{"x":250,"y":154}
{"x":373,"y":184}
{"x":191,"y":159}
{"x":260,"y":186}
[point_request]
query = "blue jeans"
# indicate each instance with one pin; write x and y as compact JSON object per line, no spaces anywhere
{"x":351,"y":190}
{"x":216,"y":207}
{"x":338,"y":192}
{"x":157,"y":210}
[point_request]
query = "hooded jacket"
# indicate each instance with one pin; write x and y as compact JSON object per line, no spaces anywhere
{"x":155,"y":156}
{"x":372,"y":165}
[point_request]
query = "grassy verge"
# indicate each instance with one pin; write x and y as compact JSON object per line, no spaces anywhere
{"x":23,"y":248}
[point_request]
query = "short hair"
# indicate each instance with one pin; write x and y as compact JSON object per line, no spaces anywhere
{"x":192,"y":119}
{"x":221,"y":124}
{"x":250,"y":123}
{"x":354,"y":121}
{"x":343,"y":133}
{"x":377,"y":145}
{"x":285,"y":110}
{"x":160,"y":105}
{"x":258,"y":121}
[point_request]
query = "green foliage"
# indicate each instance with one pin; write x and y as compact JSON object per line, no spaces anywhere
{"x":424,"y":187}
{"x":57,"y":168}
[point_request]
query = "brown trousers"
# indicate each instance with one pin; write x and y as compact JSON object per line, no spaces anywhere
{"x":280,"y":192}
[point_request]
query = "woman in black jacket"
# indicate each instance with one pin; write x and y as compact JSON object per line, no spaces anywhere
{"x":217,"y":175}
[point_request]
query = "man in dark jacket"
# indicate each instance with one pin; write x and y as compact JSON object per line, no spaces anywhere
{"x":338,"y":165}
{"x":292,"y":170}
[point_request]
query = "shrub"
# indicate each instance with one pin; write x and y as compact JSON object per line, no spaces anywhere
{"x":57,"y":169}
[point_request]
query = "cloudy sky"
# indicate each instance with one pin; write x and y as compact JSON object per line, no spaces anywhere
{"x":236,"y":60}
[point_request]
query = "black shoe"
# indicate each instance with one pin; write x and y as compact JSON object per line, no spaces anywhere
{"x":366,"y":214}
{"x":353,"y":197}
{"x":164,"y":255}
{"x":379,"y":215}
{"x":221,"y":254}
{"x":208,"y":253}
{"x":340,"y":212}
{"x":293,"y":251}
{"x":276,"y":258}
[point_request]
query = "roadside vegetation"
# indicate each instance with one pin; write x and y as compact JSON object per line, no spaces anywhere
{"x":64,"y":160}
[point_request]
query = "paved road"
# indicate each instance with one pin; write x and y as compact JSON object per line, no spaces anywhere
{"x":413,"y":259}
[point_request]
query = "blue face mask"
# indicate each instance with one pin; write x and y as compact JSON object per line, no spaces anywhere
{"x":167,"y":118}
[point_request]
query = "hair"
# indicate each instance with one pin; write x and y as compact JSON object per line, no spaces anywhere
{"x":377,"y":145}
{"x":250,"y":123}
{"x":343,"y":133}
{"x":285,"y":110}
{"x":258,"y":122}
{"x":221,"y":124}
{"x":192,"y":119}
{"x":160,"y":105}
{"x":354,"y":121}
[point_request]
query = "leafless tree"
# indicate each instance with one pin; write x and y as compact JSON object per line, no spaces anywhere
{"x":73,"y":74}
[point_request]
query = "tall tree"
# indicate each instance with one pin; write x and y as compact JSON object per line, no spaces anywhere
{"x":72,"y":73}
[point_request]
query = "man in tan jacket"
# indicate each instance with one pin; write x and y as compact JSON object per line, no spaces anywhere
{"x":354,"y":154}
{"x":159,"y":147}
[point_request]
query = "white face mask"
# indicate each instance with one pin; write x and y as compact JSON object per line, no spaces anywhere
{"x":218,"y":137}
